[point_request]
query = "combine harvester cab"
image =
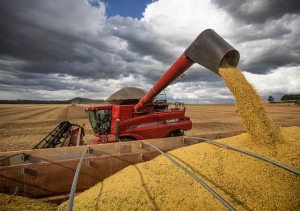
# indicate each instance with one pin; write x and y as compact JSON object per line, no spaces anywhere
{"x":48,"y":173}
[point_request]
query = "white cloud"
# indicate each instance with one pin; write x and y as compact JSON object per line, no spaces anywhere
{"x":180,"y":20}
{"x":281,"y":80}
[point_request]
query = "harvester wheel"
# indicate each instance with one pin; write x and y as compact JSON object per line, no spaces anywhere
{"x":123,"y":139}
{"x":175,"y":133}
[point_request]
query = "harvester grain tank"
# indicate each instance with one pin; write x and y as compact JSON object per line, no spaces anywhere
{"x":134,"y":115}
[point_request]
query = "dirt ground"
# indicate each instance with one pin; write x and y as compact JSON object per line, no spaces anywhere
{"x":224,"y":118}
{"x":23,"y":126}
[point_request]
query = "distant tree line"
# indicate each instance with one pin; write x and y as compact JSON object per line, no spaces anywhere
{"x":77,"y":100}
{"x":290,"y":97}
{"x":33,"y":102}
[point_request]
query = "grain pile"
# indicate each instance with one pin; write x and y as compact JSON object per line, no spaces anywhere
{"x":251,"y":108}
{"x":18,"y":203}
{"x":245,"y":182}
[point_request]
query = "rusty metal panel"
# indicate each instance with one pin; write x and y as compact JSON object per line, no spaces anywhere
{"x":68,"y":153}
{"x":50,"y":172}
{"x":125,"y":148}
{"x":53,"y":178}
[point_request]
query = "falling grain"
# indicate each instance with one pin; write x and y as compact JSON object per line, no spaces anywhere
{"x":251,"y":108}
{"x":17,"y":203}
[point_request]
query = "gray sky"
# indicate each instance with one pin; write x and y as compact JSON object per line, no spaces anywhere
{"x":61,"y":49}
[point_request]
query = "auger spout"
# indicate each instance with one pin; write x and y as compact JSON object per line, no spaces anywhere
{"x":208,"y":49}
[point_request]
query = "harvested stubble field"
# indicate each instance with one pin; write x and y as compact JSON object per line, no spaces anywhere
{"x":23,"y":126}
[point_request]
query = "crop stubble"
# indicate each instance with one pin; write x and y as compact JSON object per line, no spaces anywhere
{"x":23,"y":126}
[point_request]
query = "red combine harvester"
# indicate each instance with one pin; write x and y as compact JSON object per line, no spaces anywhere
{"x":134,"y":115}
{"x":116,"y":122}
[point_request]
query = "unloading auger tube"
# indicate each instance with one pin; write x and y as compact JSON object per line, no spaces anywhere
{"x":209,"y":50}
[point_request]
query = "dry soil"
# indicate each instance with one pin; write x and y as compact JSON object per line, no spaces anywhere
{"x":23,"y":126}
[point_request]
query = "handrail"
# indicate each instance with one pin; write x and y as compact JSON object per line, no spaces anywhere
{"x":74,"y":184}
{"x":250,"y":153}
{"x":9,"y":156}
{"x":193,"y":176}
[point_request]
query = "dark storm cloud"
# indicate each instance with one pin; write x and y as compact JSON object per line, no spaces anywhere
{"x":253,"y":32}
{"x":266,"y":26}
{"x":70,"y":45}
{"x":270,"y":60}
{"x":258,"y":11}
{"x":199,"y":74}
{"x":35,"y":37}
{"x":25,"y":37}
{"x":52,"y":37}
{"x":38,"y":81}
{"x":141,"y":40}
{"x":144,"y":43}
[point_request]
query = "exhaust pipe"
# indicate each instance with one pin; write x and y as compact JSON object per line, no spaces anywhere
{"x":209,"y":50}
